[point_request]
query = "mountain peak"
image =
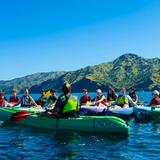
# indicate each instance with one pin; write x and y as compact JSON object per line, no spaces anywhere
{"x":127,"y":70}
{"x":128,"y":55}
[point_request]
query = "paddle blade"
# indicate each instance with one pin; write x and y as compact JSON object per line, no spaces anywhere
{"x":36,"y":107}
{"x":18,"y":116}
{"x":47,"y":94}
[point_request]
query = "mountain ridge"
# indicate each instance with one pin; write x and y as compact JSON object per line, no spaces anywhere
{"x":125,"y":71}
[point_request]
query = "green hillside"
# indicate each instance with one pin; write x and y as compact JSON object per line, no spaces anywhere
{"x":28,"y":81}
{"x":126,"y":71}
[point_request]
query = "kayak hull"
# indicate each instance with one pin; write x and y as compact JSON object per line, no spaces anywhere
{"x":124,"y":113}
{"x":143,"y":113}
{"x":103,"y":124}
{"x":156,"y":115}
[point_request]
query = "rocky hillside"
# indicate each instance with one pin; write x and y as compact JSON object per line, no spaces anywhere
{"x":126,"y":71}
{"x":28,"y":81}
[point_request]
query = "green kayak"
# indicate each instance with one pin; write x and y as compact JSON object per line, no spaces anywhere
{"x":105,"y":124}
{"x":156,"y":115}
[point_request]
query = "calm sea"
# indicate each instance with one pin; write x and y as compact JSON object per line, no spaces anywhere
{"x":18,"y":142}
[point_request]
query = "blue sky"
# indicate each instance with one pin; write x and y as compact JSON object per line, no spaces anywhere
{"x":56,"y":35}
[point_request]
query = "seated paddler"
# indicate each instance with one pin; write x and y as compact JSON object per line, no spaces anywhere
{"x":122,"y":100}
{"x":66,"y":105}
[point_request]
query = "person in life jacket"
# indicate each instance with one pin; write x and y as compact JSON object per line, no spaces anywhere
{"x":85,"y":98}
{"x":14,"y":99}
{"x":52,"y":99}
{"x":27,"y":100}
{"x":100,"y":99}
{"x":1,"y":91}
{"x":3,"y":102}
{"x":155,"y":100}
{"x":122,"y":100}
{"x":132,"y":94}
{"x":66,"y":105}
{"x":42,"y":100}
{"x":111,"y":96}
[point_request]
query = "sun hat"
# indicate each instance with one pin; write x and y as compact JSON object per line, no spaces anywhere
{"x":155,"y":92}
{"x":85,"y":90}
{"x":99,"y":91}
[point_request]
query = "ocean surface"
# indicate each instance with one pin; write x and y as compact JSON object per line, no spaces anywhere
{"x":18,"y":142}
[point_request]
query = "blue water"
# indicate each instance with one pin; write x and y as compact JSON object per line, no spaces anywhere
{"x":18,"y":142}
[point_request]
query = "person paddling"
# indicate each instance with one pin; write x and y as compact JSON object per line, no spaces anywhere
{"x":42,"y":100}
{"x":66,"y":105}
{"x":14,"y":99}
{"x":27,"y":100}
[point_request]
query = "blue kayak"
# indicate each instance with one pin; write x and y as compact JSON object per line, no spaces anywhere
{"x":143,"y":113}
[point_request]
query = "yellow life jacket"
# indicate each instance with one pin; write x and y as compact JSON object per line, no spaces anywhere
{"x":111,"y":99}
{"x":71,"y":104}
{"x":122,"y":100}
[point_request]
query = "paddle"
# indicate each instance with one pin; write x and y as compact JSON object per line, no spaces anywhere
{"x":19,"y":116}
{"x":47,"y":94}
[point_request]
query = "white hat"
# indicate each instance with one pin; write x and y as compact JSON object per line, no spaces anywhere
{"x":99,"y":91}
{"x":155,"y":92}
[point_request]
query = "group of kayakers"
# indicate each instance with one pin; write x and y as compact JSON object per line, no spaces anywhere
{"x":66,"y":105}
{"x":118,"y":101}
{"x":27,"y":99}
{"x":14,"y":100}
{"x":112,"y":98}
